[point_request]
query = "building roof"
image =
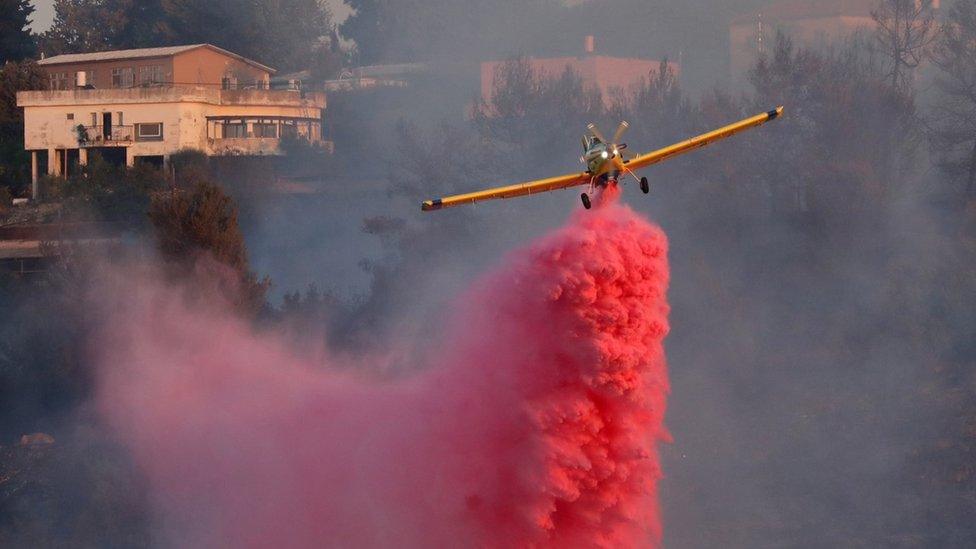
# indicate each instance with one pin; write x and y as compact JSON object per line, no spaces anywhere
{"x":143,"y":53}
{"x":786,"y":10}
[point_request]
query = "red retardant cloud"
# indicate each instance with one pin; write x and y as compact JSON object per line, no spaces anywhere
{"x":534,"y":424}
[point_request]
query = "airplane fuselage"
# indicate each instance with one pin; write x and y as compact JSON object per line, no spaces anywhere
{"x":604,"y":162}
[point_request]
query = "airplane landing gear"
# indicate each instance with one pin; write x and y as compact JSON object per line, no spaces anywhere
{"x":586,"y":201}
{"x":645,"y":186}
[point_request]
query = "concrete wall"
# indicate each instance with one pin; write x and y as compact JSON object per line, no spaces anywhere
{"x":205,"y":66}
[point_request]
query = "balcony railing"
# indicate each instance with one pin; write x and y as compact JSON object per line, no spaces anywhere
{"x":96,"y":136}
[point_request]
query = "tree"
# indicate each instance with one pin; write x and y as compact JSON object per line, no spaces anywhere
{"x":906,"y":28}
{"x":418,"y":30}
{"x":530,"y":109}
{"x":286,"y":34}
{"x":281,"y":33}
{"x":954,"y":120}
{"x":16,"y":40}
{"x":842,"y":106}
{"x":665,"y":114}
{"x":81,"y":26}
{"x":14,"y":161}
{"x":105,"y":193}
{"x":199,"y":220}
{"x":366,"y":25}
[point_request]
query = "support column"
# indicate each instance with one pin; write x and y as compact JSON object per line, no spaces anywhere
{"x":35,"y":177}
{"x":130,"y":159}
{"x":53,"y":159}
{"x":82,"y":156}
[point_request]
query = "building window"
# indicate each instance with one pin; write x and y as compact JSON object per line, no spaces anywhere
{"x":85,"y":79}
{"x":152,"y":74}
{"x":59,"y":81}
{"x":266,"y":129}
{"x":289,"y":130}
{"x":123,"y":77}
{"x":228,"y":83}
{"x":235,"y":130}
{"x":263,"y":128}
{"x":149,"y":132}
{"x":71,"y":116}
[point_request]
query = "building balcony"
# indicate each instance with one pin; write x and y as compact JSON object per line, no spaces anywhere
{"x":102,"y":136}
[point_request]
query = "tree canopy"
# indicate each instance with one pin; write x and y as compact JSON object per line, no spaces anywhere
{"x":16,"y":39}
{"x":285,"y":34}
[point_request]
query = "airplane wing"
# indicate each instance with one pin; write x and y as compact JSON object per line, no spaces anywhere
{"x":644,"y":160}
{"x":522,"y":189}
{"x":573,"y":180}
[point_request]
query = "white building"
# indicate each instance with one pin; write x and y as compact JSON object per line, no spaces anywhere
{"x":144,"y":105}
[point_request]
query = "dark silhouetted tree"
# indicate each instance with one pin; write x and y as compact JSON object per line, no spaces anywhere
{"x":14,"y":162}
{"x":199,"y":220}
{"x":82,"y":26}
{"x":954,"y":120}
{"x":842,"y":106}
{"x":285,"y":34}
{"x":17,"y":42}
{"x":906,"y":29}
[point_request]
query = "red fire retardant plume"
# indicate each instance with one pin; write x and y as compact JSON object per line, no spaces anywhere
{"x":535,"y":423}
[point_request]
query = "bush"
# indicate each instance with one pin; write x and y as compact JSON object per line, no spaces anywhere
{"x":203,"y":220}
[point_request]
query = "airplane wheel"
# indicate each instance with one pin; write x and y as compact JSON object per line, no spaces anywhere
{"x":645,"y":186}
{"x":586,"y":201}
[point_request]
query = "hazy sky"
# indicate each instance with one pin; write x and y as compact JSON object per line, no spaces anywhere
{"x":45,"y":13}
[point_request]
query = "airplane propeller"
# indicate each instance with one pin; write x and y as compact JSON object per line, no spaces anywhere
{"x":621,"y":130}
{"x":617,"y":136}
{"x":596,"y":132}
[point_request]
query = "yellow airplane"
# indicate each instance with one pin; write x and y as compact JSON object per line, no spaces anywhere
{"x":605,"y":163}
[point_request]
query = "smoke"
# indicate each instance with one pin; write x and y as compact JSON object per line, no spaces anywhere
{"x":534,"y":422}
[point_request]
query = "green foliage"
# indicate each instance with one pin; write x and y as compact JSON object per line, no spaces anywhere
{"x":17,"y":42}
{"x":81,"y":491}
{"x":105,"y":193}
{"x":307,"y":318}
{"x":14,"y":161}
{"x":81,"y":26}
{"x":191,"y":167}
{"x":42,"y":371}
{"x":201,"y":220}
{"x":305,"y":159}
{"x":367,"y":24}
{"x":285,"y":34}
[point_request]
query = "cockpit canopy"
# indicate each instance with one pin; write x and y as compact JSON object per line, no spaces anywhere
{"x":589,"y":141}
